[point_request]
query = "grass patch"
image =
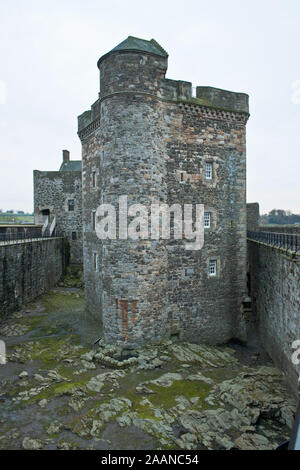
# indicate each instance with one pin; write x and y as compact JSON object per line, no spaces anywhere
{"x":165,"y":396}
{"x":63,"y":302}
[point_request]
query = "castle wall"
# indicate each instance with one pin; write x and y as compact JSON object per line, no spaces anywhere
{"x":53,"y":190}
{"x":206,"y":308}
{"x":151,"y":141}
{"x":29,"y":269}
{"x":253,"y":216}
{"x":275,"y":294}
{"x":24,"y":231}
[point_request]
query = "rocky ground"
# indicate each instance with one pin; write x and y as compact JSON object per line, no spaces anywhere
{"x":60,"y":392}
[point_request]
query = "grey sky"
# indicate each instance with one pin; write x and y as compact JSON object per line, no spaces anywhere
{"x":48,"y":76}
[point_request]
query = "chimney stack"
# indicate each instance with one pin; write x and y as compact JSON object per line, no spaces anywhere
{"x":66,"y":156}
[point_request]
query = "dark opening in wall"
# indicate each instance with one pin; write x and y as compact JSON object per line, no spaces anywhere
{"x":175,"y":336}
{"x":74,"y":235}
{"x":95,"y":261}
{"x":249,"y":283}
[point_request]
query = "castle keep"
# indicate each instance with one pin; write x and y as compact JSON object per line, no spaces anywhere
{"x":147,"y":137}
{"x":57,"y":203}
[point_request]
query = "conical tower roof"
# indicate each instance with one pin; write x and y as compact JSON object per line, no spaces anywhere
{"x":135,"y":45}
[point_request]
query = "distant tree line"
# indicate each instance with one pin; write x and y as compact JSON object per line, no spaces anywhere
{"x":280,"y":216}
{"x":11,"y":211}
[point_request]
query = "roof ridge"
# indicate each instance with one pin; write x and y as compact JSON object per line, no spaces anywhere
{"x":153,"y":41}
{"x":135,"y":37}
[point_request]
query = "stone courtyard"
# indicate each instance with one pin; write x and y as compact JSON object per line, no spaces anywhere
{"x":59,"y":392}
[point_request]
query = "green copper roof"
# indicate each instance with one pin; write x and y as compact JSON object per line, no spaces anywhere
{"x":71,"y":165}
{"x":137,"y":44}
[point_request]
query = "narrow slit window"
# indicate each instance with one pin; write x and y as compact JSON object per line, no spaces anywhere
{"x":94,"y":220}
{"x":213,"y":267}
{"x":207,"y":217}
{"x":93,"y":179}
{"x":71,"y":205}
{"x":208,"y":171}
{"x":95,"y":261}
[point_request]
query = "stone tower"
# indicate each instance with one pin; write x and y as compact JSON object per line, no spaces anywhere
{"x":58,"y":202}
{"x":147,"y":137}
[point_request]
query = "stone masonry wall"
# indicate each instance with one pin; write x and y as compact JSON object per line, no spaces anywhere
{"x":197,"y":301}
{"x":253,"y":216}
{"x":20,"y":230}
{"x":147,"y":138}
{"x":29,"y":269}
{"x":275,"y":293}
{"x":53,"y":190}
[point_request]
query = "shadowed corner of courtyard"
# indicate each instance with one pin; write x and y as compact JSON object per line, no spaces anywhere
{"x":58,"y":391}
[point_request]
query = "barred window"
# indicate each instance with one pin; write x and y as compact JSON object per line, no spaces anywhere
{"x":208,"y":171}
{"x":213,"y":267}
{"x":207,"y":219}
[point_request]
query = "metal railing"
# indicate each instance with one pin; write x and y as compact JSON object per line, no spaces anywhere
{"x":26,"y":236}
{"x":287,"y":241}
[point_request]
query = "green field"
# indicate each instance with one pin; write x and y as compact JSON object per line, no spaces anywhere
{"x":16,"y":219}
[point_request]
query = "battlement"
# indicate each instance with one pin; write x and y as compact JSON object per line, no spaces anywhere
{"x":223,"y":99}
{"x":138,"y":67}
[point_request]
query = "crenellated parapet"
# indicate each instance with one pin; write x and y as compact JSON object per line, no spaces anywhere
{"x":138,"y":68}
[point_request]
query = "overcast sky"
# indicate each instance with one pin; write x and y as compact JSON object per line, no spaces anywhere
{"x":48,"y":76}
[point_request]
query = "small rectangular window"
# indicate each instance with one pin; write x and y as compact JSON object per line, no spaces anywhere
{"x":94,"y":220}
{"x":74,"y":235}
{"x":95,"y":261}
{"x":188,"y":272}
{"x":93,"y":179}
{"x":71,"y":204}
{"x":213,"y":267}
{"x":206,"y":219}
{"x":208,"y":171}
